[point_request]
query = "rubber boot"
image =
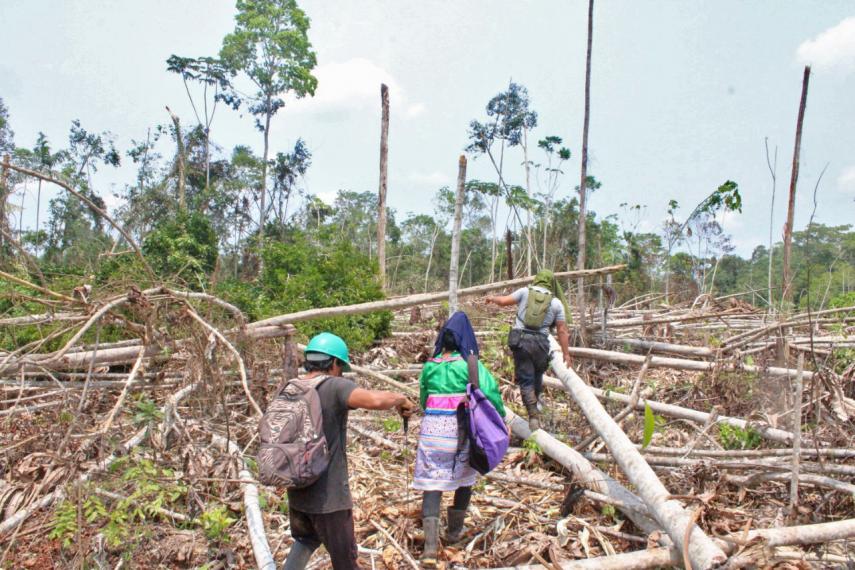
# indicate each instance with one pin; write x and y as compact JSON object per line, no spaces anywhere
{"x":299,"y":556}
{"x":529,"y":399}
{"x":431,"y":529}
{"x":454,"y":532}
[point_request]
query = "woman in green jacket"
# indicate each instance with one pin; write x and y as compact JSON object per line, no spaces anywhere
{"x":442,"y":461}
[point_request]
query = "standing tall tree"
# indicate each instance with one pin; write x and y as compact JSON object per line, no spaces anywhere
{"x":213,"y":76}
{"x":580,"y":259}
{"x":510,"y":118}
{"x":271,"y":47}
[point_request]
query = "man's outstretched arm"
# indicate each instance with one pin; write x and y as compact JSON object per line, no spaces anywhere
{"x":501,"y":300}
{"x":380,"y":400}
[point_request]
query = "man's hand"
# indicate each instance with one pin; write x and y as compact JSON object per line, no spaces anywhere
{"x":406,"y":408}
{"x":568,"y":360}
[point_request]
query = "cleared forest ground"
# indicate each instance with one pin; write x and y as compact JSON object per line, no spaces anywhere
{"x":154,"y":488}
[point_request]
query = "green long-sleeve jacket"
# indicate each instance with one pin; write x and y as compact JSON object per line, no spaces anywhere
{"x":450,"y":376}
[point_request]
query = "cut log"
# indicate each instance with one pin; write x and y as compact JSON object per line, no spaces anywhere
{"x":254,"y":520}
{"x":418,"y":299}
{"x":682,"y":364}
{"x":656,"y":557}
{"x":665,"y":347}
{"x":672,"y":411}
{"x":122,"y":355}
{"x":827,"y":468}
{"x":584,"y":472}
{"x":669,"y":513}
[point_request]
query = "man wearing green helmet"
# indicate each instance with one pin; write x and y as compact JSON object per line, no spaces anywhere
{"x":322,"y":513}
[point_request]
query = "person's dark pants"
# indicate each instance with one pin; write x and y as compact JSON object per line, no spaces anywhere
{"x":531,"y":359}
{"x":432,"y":499}
{"x":333,"y":530}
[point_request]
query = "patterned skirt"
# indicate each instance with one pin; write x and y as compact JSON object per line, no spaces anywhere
{"x":440,"y":466}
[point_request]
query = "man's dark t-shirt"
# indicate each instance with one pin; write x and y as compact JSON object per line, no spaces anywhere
{"x":331,"y":492}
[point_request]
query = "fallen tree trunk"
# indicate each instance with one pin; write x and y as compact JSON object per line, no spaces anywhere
{"x":770,"y":537}
{"x":254,"y":520}
{"x":681,"y":364}
{"x":666,"y":347}
{"x":121,"y":355}
{"x":670,"y":514}
{"x":419,"y":299}
{"x":584,"y":472}
{"x":846,"y":470}
{"x":673,"y":411}
{"x":636,"y":322}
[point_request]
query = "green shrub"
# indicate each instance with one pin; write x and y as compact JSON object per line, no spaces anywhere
{"x":300,"y":275}
{"x":733,"y":437}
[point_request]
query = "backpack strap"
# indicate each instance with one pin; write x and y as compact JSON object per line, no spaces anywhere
{"x":472,"y":370}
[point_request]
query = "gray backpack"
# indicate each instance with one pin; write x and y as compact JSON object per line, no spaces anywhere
{"x":293,"y":451}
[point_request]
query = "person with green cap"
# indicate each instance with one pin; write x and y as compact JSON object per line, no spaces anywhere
{"x":540,"y":306}
{"x":322,"y":513}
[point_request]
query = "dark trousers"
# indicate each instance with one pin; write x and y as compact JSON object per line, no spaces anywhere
{"x":333,"y":530}
{"x":531,"y":359}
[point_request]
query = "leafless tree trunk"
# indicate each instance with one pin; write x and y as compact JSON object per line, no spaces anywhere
{"x":182,"y":197}
{"x":797,"y":432}
{"x":381,"y":202}
{"x":455,"y":236}
{"x":509,"y":242}
{"x":773,"y":168}
{"x":787,"y":294}
{"x":430,"y":255}
{"x":528,"y":250}
{"x":580,"y":259}
{"x":4,"y":192}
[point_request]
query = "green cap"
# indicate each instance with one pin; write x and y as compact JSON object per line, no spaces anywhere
{"x":331,"y":345}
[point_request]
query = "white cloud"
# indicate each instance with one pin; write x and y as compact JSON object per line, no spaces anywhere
{"x":846,"y":180}
{"x":354,"y":85}
{"x":831,"y":49}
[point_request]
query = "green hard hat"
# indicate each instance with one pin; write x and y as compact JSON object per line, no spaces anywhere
{"x":331,"y":345}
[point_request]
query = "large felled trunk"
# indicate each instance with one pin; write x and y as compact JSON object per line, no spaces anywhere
{"x":670,"y":514}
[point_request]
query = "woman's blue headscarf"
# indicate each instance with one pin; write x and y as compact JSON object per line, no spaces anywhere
{"x":464,"y":335}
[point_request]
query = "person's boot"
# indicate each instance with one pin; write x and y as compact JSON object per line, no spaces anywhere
{"x":454,"y":532}
{"x":299,"y":556}
{"x":431,"y":529}
{"x":529,"y":399}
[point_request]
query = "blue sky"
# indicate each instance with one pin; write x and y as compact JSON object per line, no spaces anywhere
{"x":683,"y":93}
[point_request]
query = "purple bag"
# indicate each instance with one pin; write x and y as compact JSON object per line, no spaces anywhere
{"x":488,"y":436}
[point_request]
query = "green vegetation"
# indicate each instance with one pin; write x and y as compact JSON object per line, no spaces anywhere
{"x":148,"y":489}
{"x":733,"y":437}
{"x":391,"y":425}
{"x":216,"y":522}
